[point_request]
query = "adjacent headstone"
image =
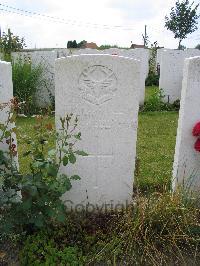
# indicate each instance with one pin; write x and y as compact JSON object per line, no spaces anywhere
{"x":86,"y":51}
{"x":63,"y":52}
{"x":186,"y":167}
{"x":143,"y":55}
{"x":159,"y":55}
{"x":6,"y":95}
{"x":171,"y":71}
{"x":103,"y":90}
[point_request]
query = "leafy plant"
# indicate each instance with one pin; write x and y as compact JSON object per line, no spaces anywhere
{"x":152,"y":79}
{"x":10,"y":43}
{"x":153,"y":76}
{"x":156,"y":103}
{"x":32,"y":200}
{"x":182,"y":20}
{"x":26,"y":80}
{"x":40,"y":249}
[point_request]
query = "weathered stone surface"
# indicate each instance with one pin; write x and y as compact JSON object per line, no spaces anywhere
{"x":139,"y":54}
{"x":103,"y":90}
{"x":171,"y":72}
{"x":187,"y":161}
{"x":6,"y":94}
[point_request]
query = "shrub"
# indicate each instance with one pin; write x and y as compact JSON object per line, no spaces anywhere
{"x":32,"y":200}
{"x":41,"y":250}
{"x":152,"y":79}
{"x":26,"y":80}
{"x":155,"y":103}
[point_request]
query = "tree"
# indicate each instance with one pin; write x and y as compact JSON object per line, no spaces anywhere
{"x":81,"y":44}
{"x":72,"y":44}
{"x":11,"y":43}
{"x":182,"y":20}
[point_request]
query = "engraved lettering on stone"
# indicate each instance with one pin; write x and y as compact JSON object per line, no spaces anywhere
{"x":97,"y":84}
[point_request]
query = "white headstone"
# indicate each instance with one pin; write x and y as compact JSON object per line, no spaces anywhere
{"x":86,"y":51}
{"x":103,"y":90}
{"x":159,"y":55}
{"x":143,"y":55}
{"x":138,"y":53}
{"x":6,"y":94}
{"x":63,"y":52}
{"x":171,"y":71}
{"x":187,"y":161}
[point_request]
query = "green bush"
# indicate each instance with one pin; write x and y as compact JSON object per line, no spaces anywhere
{"x":155,"y":103}
{"x":31,"y":201}
{"x":39,"y":249}
{"x":26,"y":80}
{"x":152,"y":80}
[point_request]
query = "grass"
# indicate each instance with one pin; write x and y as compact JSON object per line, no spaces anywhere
{"x":155,"y":146}
{"x":150,"y":90}
{"x":25,"y":129}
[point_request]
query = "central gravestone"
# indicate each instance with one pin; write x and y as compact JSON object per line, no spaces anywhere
{"x":103,"y":90}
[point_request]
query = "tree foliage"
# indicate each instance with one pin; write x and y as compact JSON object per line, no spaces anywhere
{"x":182,"y":19}
{"x":74,"y":44}
{"x":11,"y":43}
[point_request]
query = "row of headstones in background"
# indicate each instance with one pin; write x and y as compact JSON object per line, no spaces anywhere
{"x":6,"y":94}
{"x":103,"y":90}
{"x":186,"y":169}
{"x":171,"y":71}
{"x":47,"y":58}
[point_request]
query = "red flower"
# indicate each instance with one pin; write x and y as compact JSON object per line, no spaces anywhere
{"x":197,"y":145}
{"x":196,"y":130}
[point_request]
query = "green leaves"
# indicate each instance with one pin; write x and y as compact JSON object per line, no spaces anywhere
{"x":75,"y":177}
{"x":65,"y":160}
{"x":81,"y":153}
{"x":38,"y":202}
{"x":26,"y":153}
{"x":183,"y":19}
{"x":78,"y":136}
{"x":72,"y":158}
{"x":52,"y":170}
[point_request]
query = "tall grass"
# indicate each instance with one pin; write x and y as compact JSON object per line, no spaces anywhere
{"x":159,"y":229}
{"x":26,"y":80}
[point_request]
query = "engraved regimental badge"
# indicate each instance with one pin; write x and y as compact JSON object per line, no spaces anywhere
{"x":97,"y":84}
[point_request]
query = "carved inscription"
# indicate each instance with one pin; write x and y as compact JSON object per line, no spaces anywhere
{"x":97,"y":84}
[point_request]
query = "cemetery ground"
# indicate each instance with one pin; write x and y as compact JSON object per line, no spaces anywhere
{"x":159,"y":229}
